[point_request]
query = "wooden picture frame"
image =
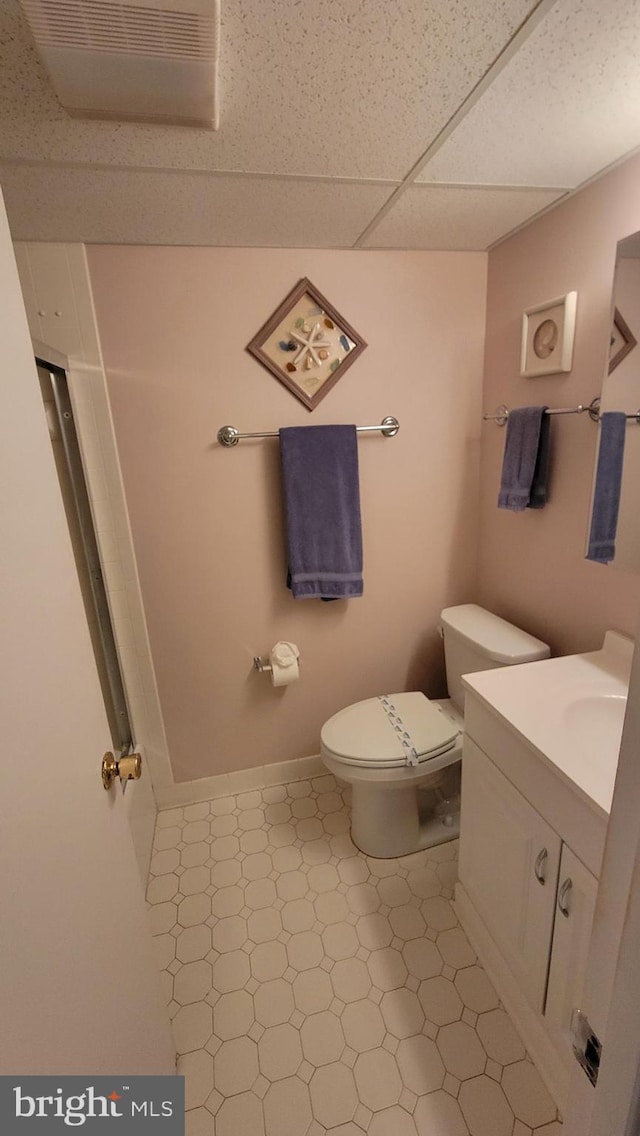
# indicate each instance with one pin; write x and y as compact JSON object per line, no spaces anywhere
{"x":622,"y":341}
{"x":547,"y":337}
{"x":307,"y":344}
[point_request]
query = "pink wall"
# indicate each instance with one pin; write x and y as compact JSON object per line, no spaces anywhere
{"x":207,"y":522}
{"x":531,"y":565}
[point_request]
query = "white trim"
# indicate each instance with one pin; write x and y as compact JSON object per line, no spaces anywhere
{"x":241,"y":781}
{"x":56,"y":276}
{"x":196,"y":171}
{"x":529,"y":1024}
{"x":157,"y":747}
{"x":59,"y":304}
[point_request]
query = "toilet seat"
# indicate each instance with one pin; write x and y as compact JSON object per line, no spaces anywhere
{"x":391,"y":731}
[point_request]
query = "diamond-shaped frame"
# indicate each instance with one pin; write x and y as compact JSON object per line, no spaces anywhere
{"x":307,"y":344}
{"x":622,"y":341}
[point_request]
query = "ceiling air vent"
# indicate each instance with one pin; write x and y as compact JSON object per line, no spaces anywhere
{"x":148,"y":61}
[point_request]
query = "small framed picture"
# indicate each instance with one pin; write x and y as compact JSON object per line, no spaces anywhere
{"x":622,"y":341}
{"x":307,"y":344}
{"x":547,"y":337}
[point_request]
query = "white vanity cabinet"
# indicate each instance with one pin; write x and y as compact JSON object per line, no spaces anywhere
{"x":509,"y":863}
{"x":524,"y":896}
{"x":575,"y":905}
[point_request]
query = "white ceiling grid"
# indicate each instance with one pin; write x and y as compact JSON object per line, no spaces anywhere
{"x":324,"y":88}
{"x":456,"y":217}
{"x":143,"y":207}
{"x":344,"y":123}
{"x":566,"y":106}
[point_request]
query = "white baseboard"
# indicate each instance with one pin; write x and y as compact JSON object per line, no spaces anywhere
{"x":242,"y":781}
{"x":529,"y":1024}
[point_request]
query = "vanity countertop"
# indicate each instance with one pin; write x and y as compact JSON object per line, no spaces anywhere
{"x":570,"y":710}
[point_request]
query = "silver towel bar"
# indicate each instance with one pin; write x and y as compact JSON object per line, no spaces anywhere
{"x":501,"y":415}
{"x":229,"y":436}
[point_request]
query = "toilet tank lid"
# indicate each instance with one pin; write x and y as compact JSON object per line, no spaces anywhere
{"x":496,"y":638}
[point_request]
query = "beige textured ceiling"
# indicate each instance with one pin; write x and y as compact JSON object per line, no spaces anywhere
{"x":343,"y":123}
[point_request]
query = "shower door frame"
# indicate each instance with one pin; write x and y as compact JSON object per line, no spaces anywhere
{"x":109,"y":666}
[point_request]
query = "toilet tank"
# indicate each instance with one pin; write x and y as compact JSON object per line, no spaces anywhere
{"x":477,"y":640}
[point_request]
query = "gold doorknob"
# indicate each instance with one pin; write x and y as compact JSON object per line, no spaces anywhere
{"x":127,"y":768}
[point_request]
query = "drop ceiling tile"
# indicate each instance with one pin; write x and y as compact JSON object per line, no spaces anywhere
{"x":453,"y":217}
{"x":564,"y":107}
{"x":339,"y":88}
{"x":134,"y":207}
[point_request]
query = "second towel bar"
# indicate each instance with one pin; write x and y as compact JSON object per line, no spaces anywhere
{"x":229,"y":436}
{"x":501,"y":415}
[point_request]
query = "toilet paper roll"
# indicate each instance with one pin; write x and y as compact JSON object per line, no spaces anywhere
{"x":285,"y":668}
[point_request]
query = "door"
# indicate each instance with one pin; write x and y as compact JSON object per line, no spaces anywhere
{"x":79,"y":990}
{"x":575,"y":904}
{"x":509,"y":859}
{"x":610,"y":998}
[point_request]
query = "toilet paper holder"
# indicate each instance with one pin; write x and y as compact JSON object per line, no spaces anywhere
{"x":281,"y":663}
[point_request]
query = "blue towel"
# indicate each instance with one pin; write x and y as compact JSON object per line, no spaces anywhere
{"x":606,"y":494}
{"x":521,"y":450}
{"x":540,"y":483}
{"x":322,"y":506}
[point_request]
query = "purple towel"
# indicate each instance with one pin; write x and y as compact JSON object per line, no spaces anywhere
{"x":608,"y":485}
{"x":322,"y":505}
{"x":540,"y":484}
{"x":520,"y":460}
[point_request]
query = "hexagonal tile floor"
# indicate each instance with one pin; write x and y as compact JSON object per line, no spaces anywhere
{"x":315,"y":990}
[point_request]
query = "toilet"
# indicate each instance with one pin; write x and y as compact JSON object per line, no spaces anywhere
{"x":401,"y":752}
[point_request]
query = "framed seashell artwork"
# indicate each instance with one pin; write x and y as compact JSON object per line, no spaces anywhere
{"x":307,"y":344}
{"x":547,"y":337}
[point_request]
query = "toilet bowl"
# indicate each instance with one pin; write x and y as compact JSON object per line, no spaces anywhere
{"x":365,"y":745}
{"x":401,"y":753}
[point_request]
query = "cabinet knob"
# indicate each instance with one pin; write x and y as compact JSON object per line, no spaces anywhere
{"x":563,"y":897}
{"x":539,"y":867}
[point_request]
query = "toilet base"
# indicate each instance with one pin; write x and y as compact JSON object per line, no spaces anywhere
{"x":440,"y":829}
{"x":399,"y":821}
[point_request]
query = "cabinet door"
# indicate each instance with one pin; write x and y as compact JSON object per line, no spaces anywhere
{"x":575,"y":905}
{"x":509,"y":860}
